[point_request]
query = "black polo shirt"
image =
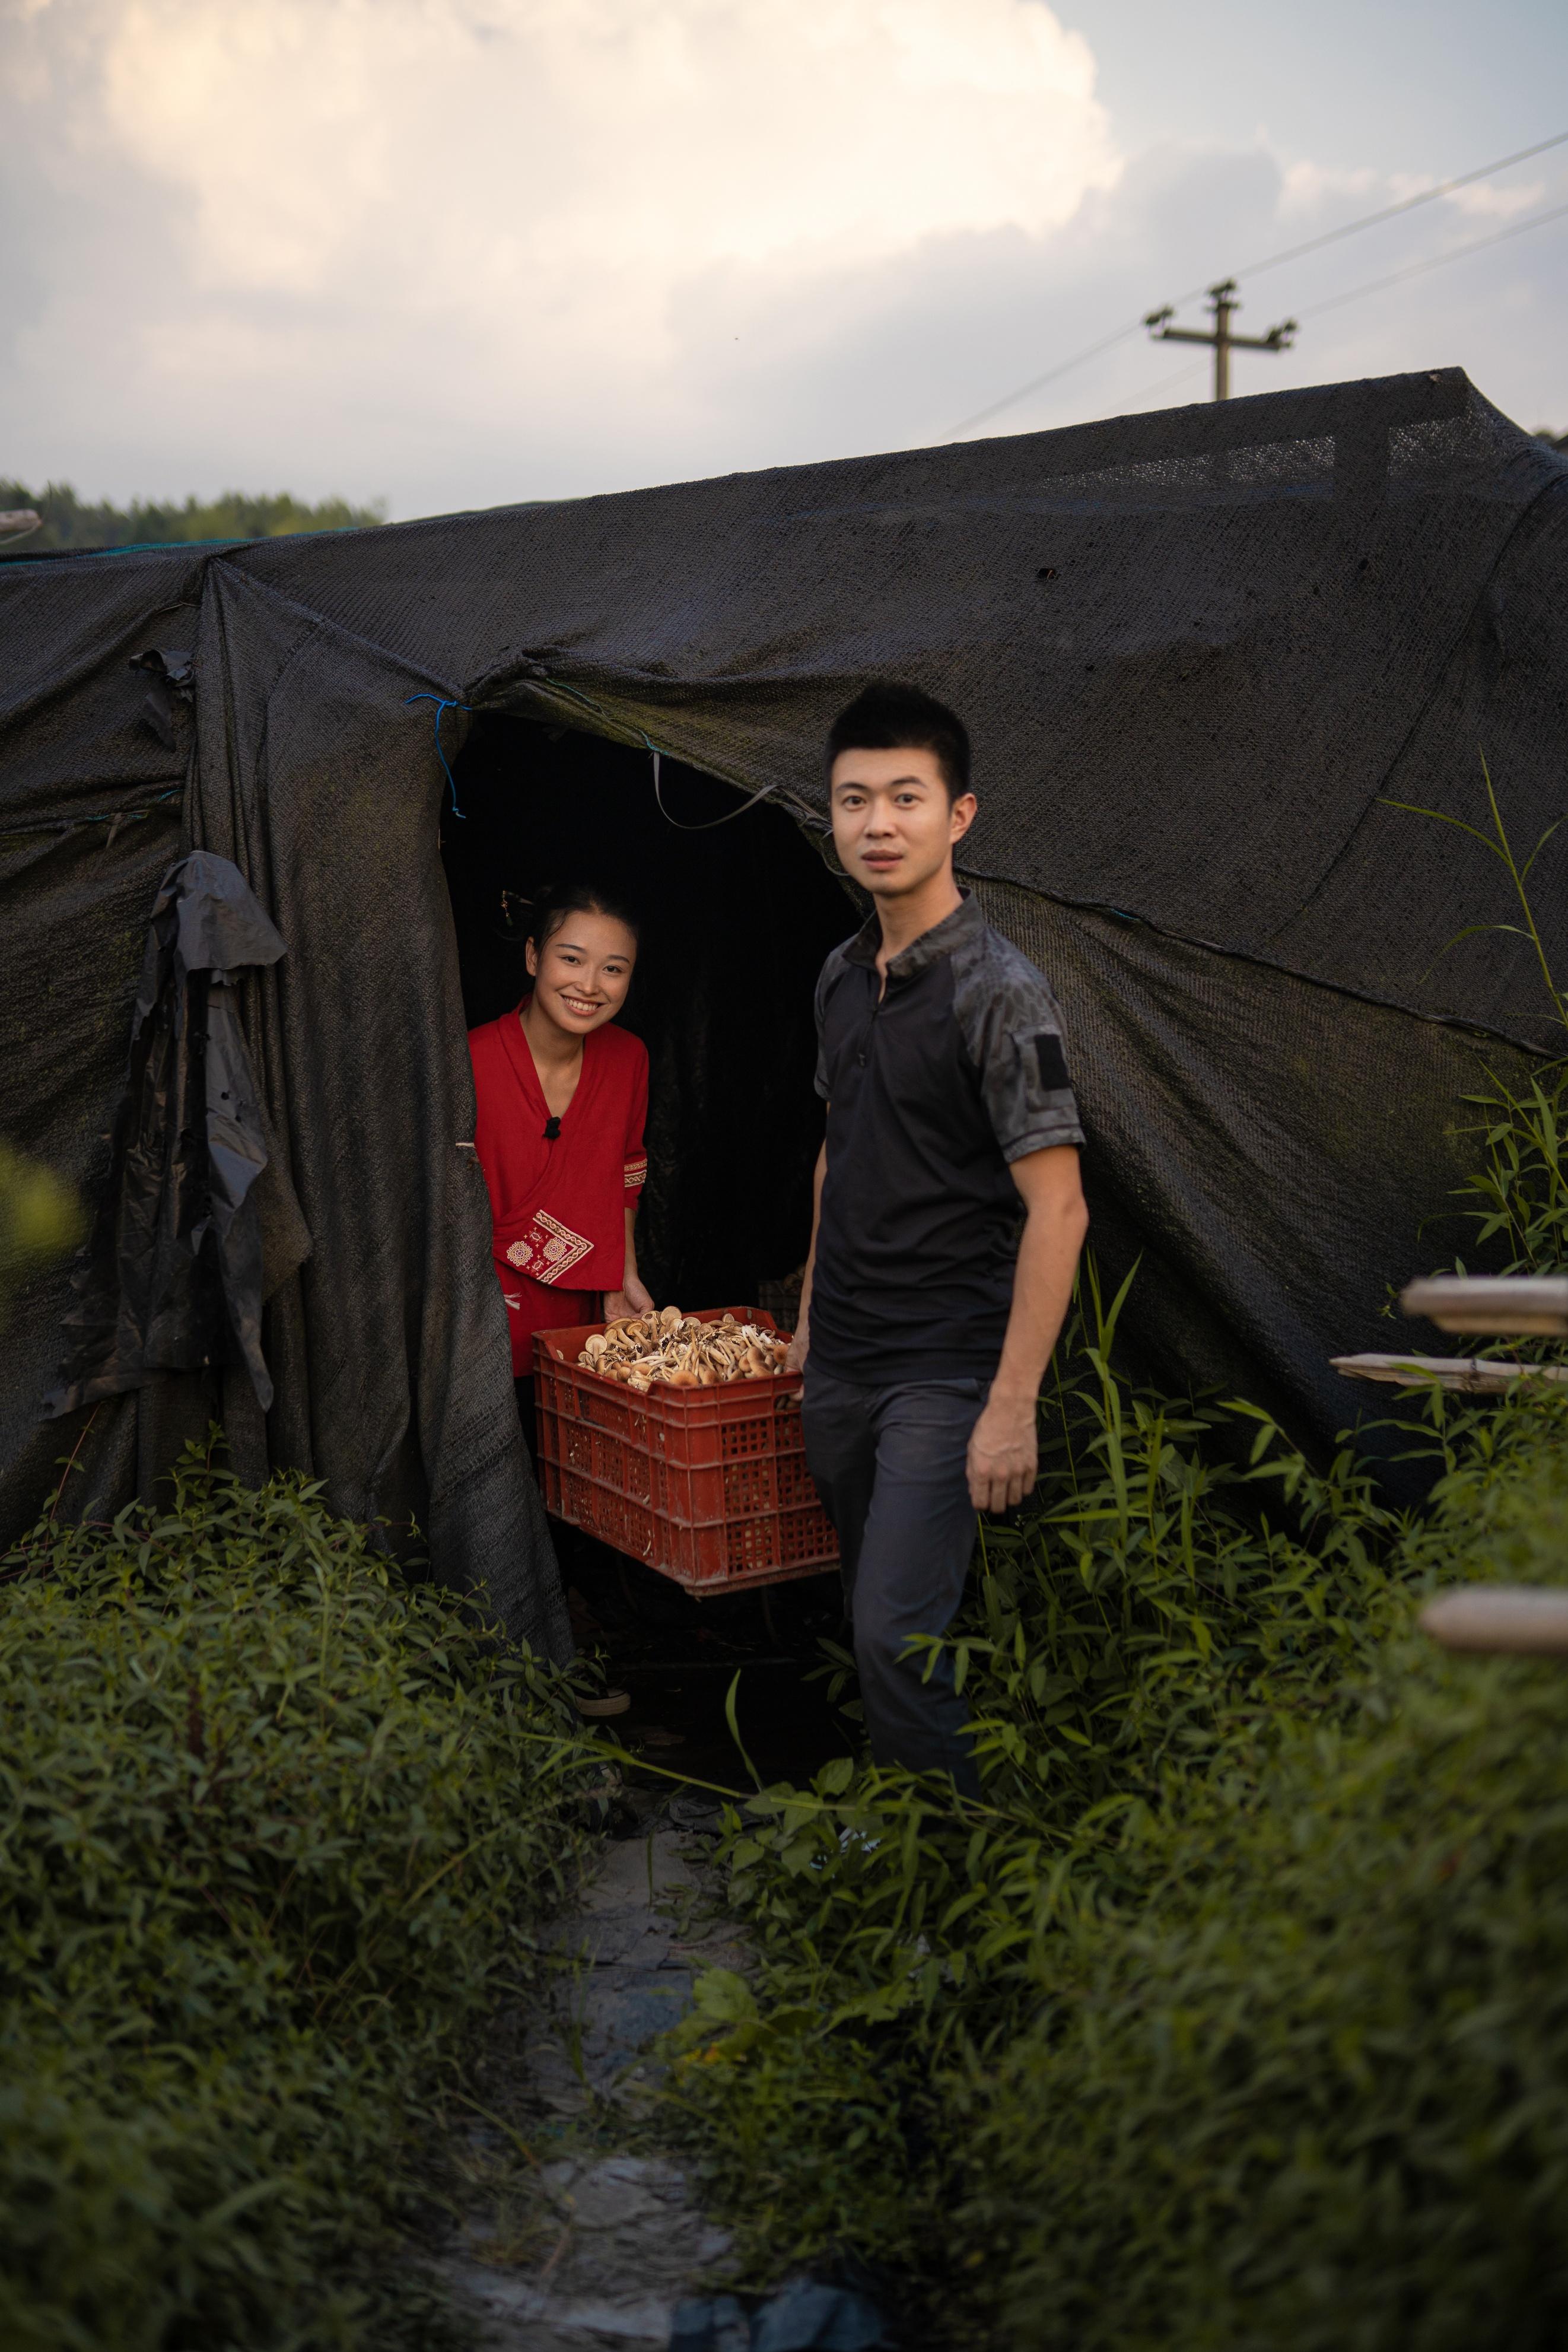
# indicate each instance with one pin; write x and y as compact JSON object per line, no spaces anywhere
{"x":934,"y":1087}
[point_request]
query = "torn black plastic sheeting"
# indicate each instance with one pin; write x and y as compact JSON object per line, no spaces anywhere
{"x":175,"y":1250}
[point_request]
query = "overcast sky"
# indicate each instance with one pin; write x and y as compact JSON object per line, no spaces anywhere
{"x":457,"y":252}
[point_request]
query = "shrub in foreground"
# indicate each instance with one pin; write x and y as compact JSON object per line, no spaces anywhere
{"x":1315,"y":2094}
{"x":273,"y":1829}
{"x":1235,"y":2019}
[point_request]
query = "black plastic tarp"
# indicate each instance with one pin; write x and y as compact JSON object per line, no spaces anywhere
{"x":1199,"y":653}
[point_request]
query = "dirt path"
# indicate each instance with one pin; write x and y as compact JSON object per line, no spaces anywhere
{"x":577,"y":2236}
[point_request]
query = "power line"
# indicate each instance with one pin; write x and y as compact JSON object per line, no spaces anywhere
{"x":1166,"y":383}
{"x":1272,"y":261}
{"x":1390,"y":212}
{"x":1037,"y":382}
{"x":1434,"y":261}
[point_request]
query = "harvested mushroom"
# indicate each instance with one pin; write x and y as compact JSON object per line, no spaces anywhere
{"x":681,"y":1351}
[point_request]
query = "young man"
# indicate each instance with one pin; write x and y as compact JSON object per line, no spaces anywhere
{"x":948,"y":1218}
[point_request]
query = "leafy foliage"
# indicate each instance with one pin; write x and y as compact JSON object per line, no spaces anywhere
{"x":273,"y":1830}
{"x":70,"y":522}
{"x":1244,"y":1975}
{"x":1309,"y":2090}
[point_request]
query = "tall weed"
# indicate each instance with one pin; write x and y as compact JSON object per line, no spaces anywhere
{"x":1314,"y":2092}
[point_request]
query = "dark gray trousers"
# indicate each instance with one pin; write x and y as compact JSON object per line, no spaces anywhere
{"x":889,"y":1467}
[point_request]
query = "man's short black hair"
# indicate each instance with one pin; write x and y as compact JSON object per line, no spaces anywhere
{"x":887,"y":717}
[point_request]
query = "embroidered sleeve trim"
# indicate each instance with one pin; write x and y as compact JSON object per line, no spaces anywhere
{"x":636,"y":1174}
{"x":548,"y":1250}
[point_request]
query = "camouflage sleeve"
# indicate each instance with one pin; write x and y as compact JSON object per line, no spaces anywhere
{"x":1011,"y":1026}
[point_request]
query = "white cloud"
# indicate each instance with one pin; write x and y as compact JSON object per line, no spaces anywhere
{"x":1305,"y":186}
{"x":578,"y":159}
{"x":457,"y":251}
{"x":1485,"y":201}
{"x":547,"y":136}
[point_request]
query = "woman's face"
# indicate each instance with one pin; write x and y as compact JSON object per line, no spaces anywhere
{"x":582,"y":973}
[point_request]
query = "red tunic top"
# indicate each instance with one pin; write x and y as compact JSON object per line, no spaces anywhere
{"x":557,"y":1208}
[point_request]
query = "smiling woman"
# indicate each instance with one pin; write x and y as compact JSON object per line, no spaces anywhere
{"x":701,"y":951}
{"x":561,"y":1096}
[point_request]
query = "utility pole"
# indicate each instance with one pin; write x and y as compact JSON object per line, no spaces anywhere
{"x":1222,"y":302}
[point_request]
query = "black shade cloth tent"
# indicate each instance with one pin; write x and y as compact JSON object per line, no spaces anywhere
{"x":1198,"y":652}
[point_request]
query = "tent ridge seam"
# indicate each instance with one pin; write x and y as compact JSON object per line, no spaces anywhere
{"x":1518,"y":524}
{"x":1266,"y":963}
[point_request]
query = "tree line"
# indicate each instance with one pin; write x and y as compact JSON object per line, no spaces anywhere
{"x":69,"y":521}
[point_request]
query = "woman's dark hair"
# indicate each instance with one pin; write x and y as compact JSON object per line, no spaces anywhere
{"x":887,"y":717}
{"x":556,"y":900}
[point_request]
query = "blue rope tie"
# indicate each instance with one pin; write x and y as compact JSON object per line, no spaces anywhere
{"x":443,"y":703}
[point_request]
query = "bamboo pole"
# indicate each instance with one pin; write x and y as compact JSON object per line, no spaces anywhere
{"x":1507,"y":1620}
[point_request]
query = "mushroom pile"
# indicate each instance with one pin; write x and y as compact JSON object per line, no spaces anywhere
{"x":680,"y":1353}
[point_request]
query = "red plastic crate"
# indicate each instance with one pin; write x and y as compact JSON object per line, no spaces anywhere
{"x":707,"y":1485}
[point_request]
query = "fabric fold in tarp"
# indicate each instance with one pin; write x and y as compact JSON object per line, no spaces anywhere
{"x":1239,"y":1215}
{"x":176,"y":1251}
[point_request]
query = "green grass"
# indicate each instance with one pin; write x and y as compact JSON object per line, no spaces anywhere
{"x":275,"y":1829}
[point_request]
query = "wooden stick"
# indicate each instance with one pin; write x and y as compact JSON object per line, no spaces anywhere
{"x":1514,"y":1306}
{"x":1474,"y":1375}
{"x":1508,"y":1621}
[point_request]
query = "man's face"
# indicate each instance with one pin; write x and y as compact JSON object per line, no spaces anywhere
{"x":894,"y":826}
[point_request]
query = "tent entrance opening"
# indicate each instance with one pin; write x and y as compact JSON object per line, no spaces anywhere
{"x":736,"y":922}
